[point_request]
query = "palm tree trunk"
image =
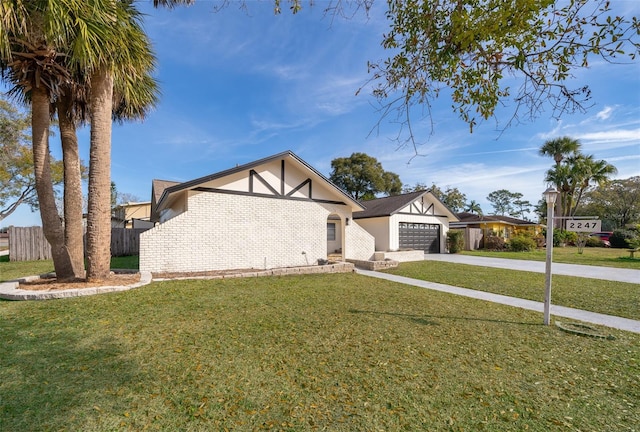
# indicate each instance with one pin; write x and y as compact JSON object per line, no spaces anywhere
{"x":99,"y":211}
{"x":73,"y":230}
{"x":51,"y":224}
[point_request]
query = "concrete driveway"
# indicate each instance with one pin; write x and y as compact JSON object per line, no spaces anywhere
{"x":591,"y":272}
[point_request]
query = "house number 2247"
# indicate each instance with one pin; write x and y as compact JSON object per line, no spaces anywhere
{"x":584,"y":225}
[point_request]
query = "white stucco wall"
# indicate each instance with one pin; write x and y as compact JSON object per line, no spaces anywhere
{"x":226,"y":231}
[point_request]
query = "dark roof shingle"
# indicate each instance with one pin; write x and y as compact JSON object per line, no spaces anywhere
{"x":388,"y":205}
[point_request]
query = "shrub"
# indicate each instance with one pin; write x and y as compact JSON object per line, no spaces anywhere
{"x":521,"y":243}
{"x":570,"y":238}
{"x":494,"y":243}
{"x":455,"y":240}
{"x":564,"y":238}
{"x":622,"y":238}
{"x":594,"y":242}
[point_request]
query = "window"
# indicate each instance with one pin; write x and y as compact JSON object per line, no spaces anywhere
{"x":331,"y":231}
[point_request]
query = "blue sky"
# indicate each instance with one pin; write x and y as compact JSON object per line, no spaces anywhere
{"x":241,"y":85}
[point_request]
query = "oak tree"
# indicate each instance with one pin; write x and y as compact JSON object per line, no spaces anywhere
{"x":363,"y":177}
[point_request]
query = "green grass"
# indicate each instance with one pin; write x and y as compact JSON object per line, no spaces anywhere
{"x":319,"y":352}
{"x":602,"y":296}
{"x":607,"y":257}
{"x":16,"y":269}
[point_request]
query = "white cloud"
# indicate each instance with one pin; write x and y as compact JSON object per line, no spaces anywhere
{"x":605,"y":113}
{"x":618,"y":135}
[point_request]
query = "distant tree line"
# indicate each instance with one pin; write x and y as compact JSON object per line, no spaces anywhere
{"x":583,"y":183}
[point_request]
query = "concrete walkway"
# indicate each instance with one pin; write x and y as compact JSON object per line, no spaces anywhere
{"x":559,"y":311}
{"x":585,"y":271}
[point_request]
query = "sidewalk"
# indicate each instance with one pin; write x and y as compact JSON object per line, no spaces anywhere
{"x":558,"y":311}
{"x":585,"y":271}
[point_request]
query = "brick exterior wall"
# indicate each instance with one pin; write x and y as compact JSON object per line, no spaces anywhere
{"x":359,"y":244}
{"x":226,"y":231}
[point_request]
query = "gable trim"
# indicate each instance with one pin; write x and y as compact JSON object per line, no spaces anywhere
{"x":414,"y":214}
{"x":252,"y":174}
{"x":263,"y":195}
{"x":300,"y":186}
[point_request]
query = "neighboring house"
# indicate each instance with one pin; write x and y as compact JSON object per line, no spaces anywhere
{"x":116,"y":222}
{"x":417,"y":220}
{"x":274,"y":212}
{"x":478,"y":226}
{"x":134,"y":215}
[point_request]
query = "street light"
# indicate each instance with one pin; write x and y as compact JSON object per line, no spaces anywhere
{"x":550,"y":196}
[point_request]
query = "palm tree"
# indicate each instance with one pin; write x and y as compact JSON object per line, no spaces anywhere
{"x":96,"y":39}
{"x":589,"y":171}
{"x":32,"y":64}
{"x":125,"y":57}
{"x":559,"y":149}
{"x":473,"y":207}
{"x":73,"y":226}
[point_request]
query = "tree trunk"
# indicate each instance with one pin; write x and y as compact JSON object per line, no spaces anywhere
{"x":99,"y":211}
{"x":73,"y":230}
{"x":51,"y":224}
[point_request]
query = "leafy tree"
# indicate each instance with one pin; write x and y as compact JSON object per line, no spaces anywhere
{"x":417,"y":187}
{"x":363,"y":177}
{"x":17,"y":180}
{"x":521,"y":207}
{"x":540,"y":209}
{"x":503,"y":201}
{"x":616,"y":203}
{"x":475,"y":48}
{"x":451,"y":197}
{"x":454,"y":199}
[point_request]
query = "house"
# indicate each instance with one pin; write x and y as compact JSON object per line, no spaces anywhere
{"x":478,"y":226}
{"x":416,"y":220}
{"x":271,"y":213}
{"x":134,"y":215}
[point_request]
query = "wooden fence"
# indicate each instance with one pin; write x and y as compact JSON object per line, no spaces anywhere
{"x":29,"y":244}
{"x":125,"y":241}
{"x":473,"y":238}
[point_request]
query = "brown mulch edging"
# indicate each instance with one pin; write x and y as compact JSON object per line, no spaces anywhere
{"x":52,"y":284}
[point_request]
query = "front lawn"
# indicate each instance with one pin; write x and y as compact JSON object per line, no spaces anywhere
{"x":607,"y":257}
{"x":320,"y":352}
{"x":607,"y":297}
{"x":16,"y":269}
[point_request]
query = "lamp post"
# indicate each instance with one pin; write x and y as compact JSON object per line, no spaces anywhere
{"x":550,"y":196}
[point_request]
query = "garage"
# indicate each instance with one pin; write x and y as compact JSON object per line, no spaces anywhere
{"x":415,"y":220}
{"x":419,"y":236}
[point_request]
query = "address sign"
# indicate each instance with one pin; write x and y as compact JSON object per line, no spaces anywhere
{"x":584,"y":225}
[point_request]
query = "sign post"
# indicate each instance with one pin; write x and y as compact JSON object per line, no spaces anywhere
{"x":579,"y":224}
{"x":550,"y":196}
